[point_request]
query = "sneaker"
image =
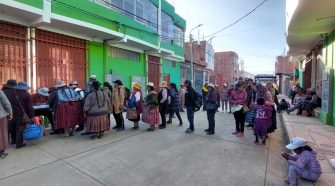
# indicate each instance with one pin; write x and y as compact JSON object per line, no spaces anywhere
{"x":79,"y":129}
{"x":115,"y":127}
{"x":161,"y":127}
{"x":235,"y":133}
{"x":240,"y":134}
{"x":136,"y":128}
{"x":189,"y":131}
{"x":169,"y":122}
{"x":180,"y":124}
{"x":210,"y":133}
{"x":206,"y":130}
{"x":150,"y":129}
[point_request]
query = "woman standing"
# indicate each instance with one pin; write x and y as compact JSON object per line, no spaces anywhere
{"x":68,"y":110}
{"x":108,"y":89}
{"x":238,"y":99}
{"x":151,"y":115}
{"x":174,"y":105}
{"x":96,"y":111}
{"x":135,"y":101}
{"x":118,"y":100}
{"x":6,"y":113}
{"x":182,"y":97}
{"x":211,"y":109}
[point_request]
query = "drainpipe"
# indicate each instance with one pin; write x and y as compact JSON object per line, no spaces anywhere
{"x":159,"y":30}
{"x":313,"y":75}
{"x":33,"y":56}
{"x":104,"y":54}
{"x":28,"y":50}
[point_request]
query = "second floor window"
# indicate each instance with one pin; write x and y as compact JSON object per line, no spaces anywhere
{"x":124,"y":54}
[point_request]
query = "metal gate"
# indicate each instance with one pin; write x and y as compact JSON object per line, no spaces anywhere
{"x":13,"y":59}
{"x":59,"y":57}
{"x":154,"y":70}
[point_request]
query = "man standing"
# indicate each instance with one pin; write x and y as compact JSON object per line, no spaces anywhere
{"x":204,"y":94}
{"x":118,"y":104}
{"x":190,"y":105}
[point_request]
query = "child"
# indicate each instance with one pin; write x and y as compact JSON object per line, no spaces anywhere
{"x":304,"y":164}
{"x":262,"y":120}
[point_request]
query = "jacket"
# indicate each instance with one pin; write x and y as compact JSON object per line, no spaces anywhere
{"x":238,"y":97}
{"x":306,"y":160}
{"x":25,"y":100}
{"x":190,"y":97}
{"x":96,"y":103}
{"x":5,"y":107}
{"x":151,"y":100}
{"x":118,"y":97}
{"x":175,"y":100}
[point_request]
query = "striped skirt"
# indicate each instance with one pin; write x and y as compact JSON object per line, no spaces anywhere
{"x":68,"y":115}
{"x":97,"y":124}
{"x":3,"y":133}
{"x":151,"y":117}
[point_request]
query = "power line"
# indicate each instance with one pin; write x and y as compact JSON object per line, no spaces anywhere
{"x":232,"y":24}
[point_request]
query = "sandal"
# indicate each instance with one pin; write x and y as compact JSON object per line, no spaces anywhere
{"x":150,"y":130}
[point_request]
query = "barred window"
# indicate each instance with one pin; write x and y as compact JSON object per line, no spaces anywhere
{"x":124,"y":54}
{"x":170,"y":63}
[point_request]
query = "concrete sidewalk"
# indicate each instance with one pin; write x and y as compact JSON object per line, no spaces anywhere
{"x":321,"y":138}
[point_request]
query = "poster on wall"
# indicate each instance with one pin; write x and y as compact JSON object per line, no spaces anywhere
{"x":326,"y":97}
{"x":112,"y":77}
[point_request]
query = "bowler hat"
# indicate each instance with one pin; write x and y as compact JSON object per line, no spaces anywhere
{"x":22,"y":86}
{"x":60,"y":84}
{"x":44,"y":91}
{"x":10,"y":83}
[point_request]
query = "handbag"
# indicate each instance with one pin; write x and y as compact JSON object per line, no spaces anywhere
{"x":33,"y":132}
{"x":245,"y":108}
{"x":250,"y":116}
{"x":25,"y":118}
{"x":131,"y":113}
{"x":210,"y":106}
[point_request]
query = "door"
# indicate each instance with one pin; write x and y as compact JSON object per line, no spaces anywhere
{"x":154,"y":71}
{"x":166,"y":78}
{"x":59,"y":57}
{"x":13,"y":60}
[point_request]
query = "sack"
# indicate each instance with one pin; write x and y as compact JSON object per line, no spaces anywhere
{"x":210,"y":106}
{"x":67,"y":95}
{"x":127,"y":93}
{"x":245,"y":108}
{"x":250,"y":116}
{"x":198,"y":101}
{"x":235,"y":108}
{"x":33,"y":132}
{"x":131,"y":113}
{"x":132,"y":102}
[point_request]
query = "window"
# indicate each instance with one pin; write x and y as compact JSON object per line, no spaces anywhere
{"x":139,"y":10}
{"x":129,"y":7}
{"x":124,"y":54}
{"x":178,"y":36}
{"x":167,"y":28}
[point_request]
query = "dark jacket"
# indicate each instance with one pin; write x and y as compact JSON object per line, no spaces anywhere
{"x":251,"y":95}
{"x":164,"y":105}
{"x":190,"y":97}
{"x":175,"y":100}
{"x":25,"y":100}
{"x":151,"y":100}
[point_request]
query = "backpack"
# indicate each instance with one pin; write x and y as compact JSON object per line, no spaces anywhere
{"x":198,"y":101}
{"x":127,"y":94}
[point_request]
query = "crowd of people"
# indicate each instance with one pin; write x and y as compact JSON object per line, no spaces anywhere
{"x":71,"y":109}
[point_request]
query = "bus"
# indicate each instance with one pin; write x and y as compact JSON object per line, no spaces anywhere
{"x":264,"y":78}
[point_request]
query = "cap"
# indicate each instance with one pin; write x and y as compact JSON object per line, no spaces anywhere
{"x":296,"y":143}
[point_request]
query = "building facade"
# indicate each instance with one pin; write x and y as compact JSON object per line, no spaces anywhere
{"x":42,"y":41}
{"x":203,"y":63}
{"x":226,"y":68}
{"x":311,"y":41}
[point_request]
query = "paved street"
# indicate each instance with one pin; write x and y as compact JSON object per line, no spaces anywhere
{"x":164,"y":157}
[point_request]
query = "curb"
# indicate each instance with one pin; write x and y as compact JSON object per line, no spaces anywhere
{"x":287,"y":126}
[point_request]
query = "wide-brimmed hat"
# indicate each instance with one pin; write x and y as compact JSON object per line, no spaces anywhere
{"x":151,"y":84}
{"x":137,"y":86}
{"x":225,"y":84}
{"x":74,"y":84}
{"x":296,"y":143}
{"x":311,"y":90}
{"x":93,"y":77}
{"x":164,"y":84}
{"x":22,"y":86}
{"x":119,"y":82}
{"x":60,"y":84}
{"x":210,"y":85}
{"x":10,"y":83}
{"x":44,"y":91}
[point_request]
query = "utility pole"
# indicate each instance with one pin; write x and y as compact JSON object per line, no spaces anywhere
{"x":191,"y":54}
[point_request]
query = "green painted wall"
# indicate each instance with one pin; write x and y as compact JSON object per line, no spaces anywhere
{"x":96,"y":58}
{"x":126,"y":68}
{"x":328,"y":53}
{"x":34,"y":3}
{"x":173,"y":71}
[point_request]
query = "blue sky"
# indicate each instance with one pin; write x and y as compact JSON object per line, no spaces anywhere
{"x":257,"y":39}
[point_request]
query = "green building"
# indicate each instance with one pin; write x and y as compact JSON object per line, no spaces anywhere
{"x":130,"y":40}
